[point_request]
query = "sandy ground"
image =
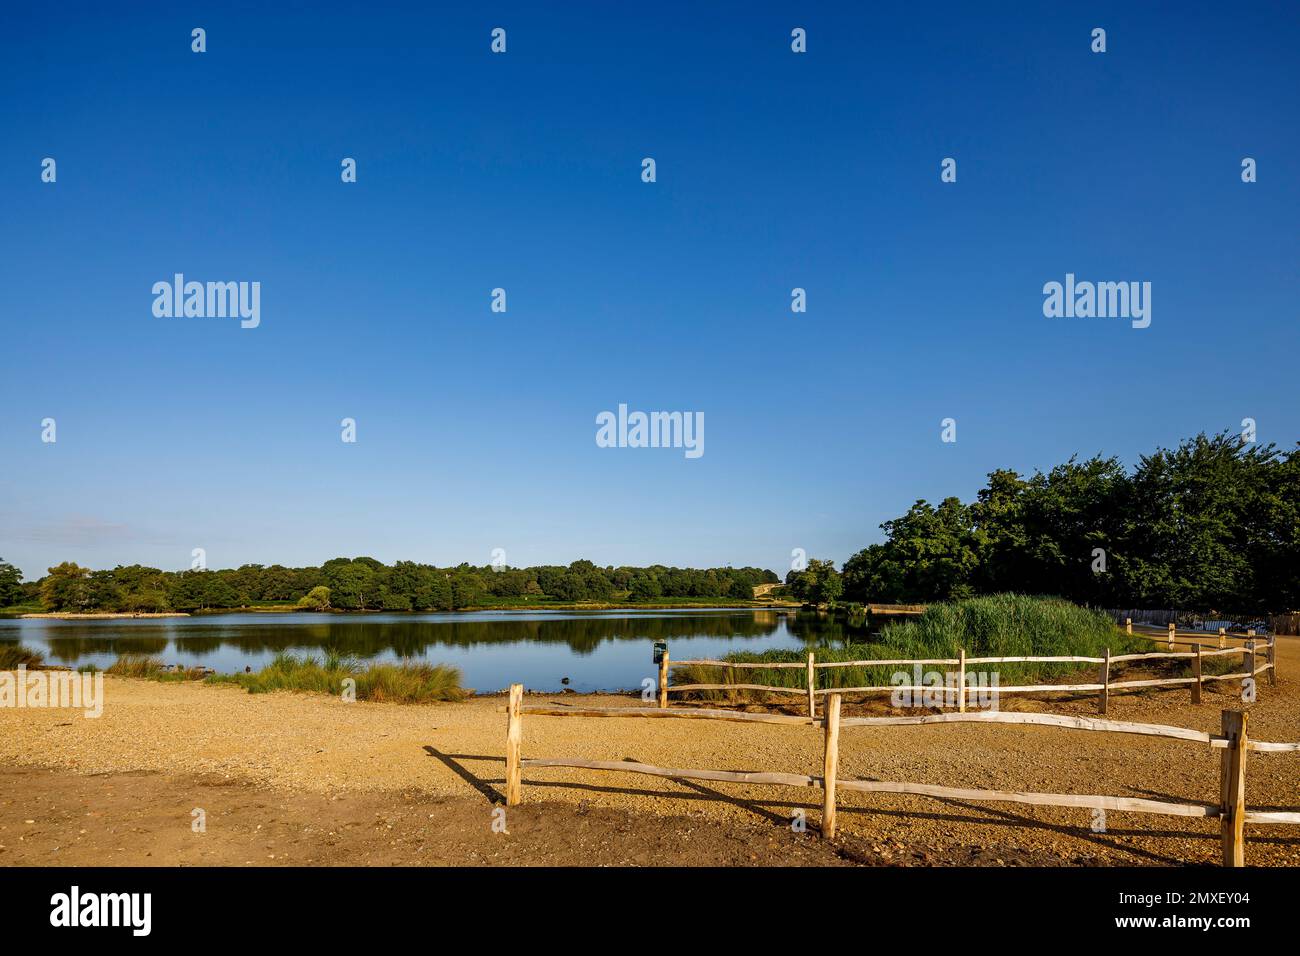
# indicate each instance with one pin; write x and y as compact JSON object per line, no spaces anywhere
{"x":285,"y":778}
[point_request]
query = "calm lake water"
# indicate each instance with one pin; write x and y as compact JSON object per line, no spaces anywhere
{"x":596,"y":650}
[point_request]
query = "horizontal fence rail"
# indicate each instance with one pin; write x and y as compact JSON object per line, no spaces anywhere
{"x":960,"y":694}
{"x":1230,"y":809}
{"x":1277,"y":623}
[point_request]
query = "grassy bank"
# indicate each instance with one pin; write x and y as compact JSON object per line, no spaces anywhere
{"x":410,"y":682}
{"x":13,"y":656}
{"x":1000,"y":625}
{"x":17,"y":610}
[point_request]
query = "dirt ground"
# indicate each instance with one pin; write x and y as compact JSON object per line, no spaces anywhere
{"x":303,"y":779}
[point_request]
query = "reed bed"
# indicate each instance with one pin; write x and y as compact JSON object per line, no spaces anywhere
{"x":1000,"y":625}
{"x":408,"y":682}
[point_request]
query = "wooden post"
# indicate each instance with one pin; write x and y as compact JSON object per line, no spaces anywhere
{"x":1232,"y":789}
{"x":812,"y":687}
{"x":1128,"y":625}
{"x":1196,"y":672}
{"x":961,"y":681}
{"x":1272,"y":659}
{"x":663,"y":680}
{"x":1171,"y":635}
{"x":830,"y":765}
{"x":1249,"y":660}
{"x":1104,"y":680}
{"x":514,"y":736}
{"x":1223,"y":637}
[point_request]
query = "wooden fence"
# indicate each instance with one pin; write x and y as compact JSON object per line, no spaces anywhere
{"x":1171,"y":636}
{"x":959,"y":695}
{"x":1230,"y":809}
{"x":1277,"y":623}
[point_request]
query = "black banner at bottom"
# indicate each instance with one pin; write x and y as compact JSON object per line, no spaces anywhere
{"x":339,"y":904}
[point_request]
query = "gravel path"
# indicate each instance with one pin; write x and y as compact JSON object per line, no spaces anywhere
{"x":311,"y":745}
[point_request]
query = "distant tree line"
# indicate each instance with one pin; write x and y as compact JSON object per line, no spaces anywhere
{"x":1213,"y":524}
{"x":364,"y":583}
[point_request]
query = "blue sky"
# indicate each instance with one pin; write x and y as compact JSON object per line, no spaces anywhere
{"x":775,"y":170}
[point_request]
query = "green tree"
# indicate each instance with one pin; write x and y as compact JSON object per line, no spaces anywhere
{"x":1193,"y":524}
{"x":643,"y":587}
{"x":11,"y":580}
{"x":66,"y":588}
{"x":353,"y":585}
{"x":931,"y":554}
{"x":317,"y":599}
{"x":143,"y":588}
{"x":818,"y":583}
{"x":146,"y":601}
{"x":102,"y":592}
{"x":466,"y":589}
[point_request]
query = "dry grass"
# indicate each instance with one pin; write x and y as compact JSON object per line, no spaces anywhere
{"x":410,"y":682}
{"x":13,"y":656}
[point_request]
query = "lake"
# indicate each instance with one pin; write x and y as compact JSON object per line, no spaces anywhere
{"x":595,"y":650}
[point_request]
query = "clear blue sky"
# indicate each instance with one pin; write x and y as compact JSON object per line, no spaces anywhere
{"x":775,"y":170}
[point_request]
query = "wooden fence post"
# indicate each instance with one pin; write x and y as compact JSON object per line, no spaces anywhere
{"x":1223,"y":637}
{"x":514,"y":735}
{"x":830,"y":765}
{"x":961,"y":681}
{"x":663,"y":680}
{"x":1196,"y":672}
{"x":1232,"y":789}
{"x":1128,"y":625}
{"x":1104,"y":680}
{"x":812,"y":687}
{"x":1272,"y":659}
{"x":1249,"y":660}
{"x":1171,"y":635}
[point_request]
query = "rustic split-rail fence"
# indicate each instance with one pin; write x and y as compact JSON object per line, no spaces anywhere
{"x":960,"y":694}
{"x":1233,"y":743}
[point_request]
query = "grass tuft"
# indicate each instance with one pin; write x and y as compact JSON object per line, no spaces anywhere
{"x":408,"y":682}
{"x":143,"y":667}
{"x":13,"y":656}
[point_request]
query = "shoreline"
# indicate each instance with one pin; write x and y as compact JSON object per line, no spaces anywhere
{"x":477,"y":609}
{"x":98,"y":615}
{"x":441,"y":766}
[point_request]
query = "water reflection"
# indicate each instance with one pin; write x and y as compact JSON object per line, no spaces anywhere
{"x":594,"y":650}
